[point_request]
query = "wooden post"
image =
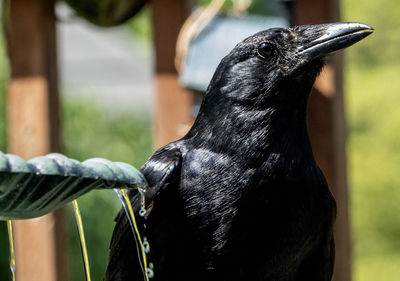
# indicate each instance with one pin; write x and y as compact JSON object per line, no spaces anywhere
{"x":327,"y":127}
{"x":173,"y":112}
{"x":33,"y":122}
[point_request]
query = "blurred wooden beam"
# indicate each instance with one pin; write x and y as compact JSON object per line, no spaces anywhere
{"x":33,"y":127}
{"x":327,"y":126}
{"x":174,"y":104}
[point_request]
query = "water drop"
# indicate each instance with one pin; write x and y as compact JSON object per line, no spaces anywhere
{"x":146,"y":245}
{"x":150,"y":271}
{"x":142,"y":212}
{"x":142,"y":190}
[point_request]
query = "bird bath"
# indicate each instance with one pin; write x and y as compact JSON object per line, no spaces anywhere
{"x":33,"y":188}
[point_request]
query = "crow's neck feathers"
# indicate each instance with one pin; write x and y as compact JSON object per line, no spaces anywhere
{"x":254,"y":130}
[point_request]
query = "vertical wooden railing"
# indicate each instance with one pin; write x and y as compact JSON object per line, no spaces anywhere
{"x":173,"y":104}
{"x":33,"y":127}
{"x":327,"y":127}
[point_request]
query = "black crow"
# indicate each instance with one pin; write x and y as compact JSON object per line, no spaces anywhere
{"x":240,"y":197}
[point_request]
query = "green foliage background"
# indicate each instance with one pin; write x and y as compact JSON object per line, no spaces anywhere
{"x":373,"y":99}
{"x":372,"y":96}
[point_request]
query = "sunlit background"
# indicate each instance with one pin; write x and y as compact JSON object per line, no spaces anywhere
{"x":372,"y":95}
{"x":108,"y":115}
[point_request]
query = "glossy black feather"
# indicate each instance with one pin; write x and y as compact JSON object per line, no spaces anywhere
{"x":241,"y":197}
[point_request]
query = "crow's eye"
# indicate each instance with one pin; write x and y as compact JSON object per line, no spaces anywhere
{"x":265,"y":50}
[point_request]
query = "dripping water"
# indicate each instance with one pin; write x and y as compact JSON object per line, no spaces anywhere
{"x":12,"y":252}
{"x":150,"y":271}
{"x":142,"y":210}
{"x":146,"y":245}
{"x":143,"y":247}
{"x":79,"y":225}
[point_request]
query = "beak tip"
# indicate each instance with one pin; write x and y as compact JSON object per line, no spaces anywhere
{"x":358,"y":26}
{"x":365,"y":26}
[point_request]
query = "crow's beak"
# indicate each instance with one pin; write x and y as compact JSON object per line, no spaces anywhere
{"x":320,"y":40}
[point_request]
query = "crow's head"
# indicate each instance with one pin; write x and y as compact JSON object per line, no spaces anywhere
{"x":279,"y":65}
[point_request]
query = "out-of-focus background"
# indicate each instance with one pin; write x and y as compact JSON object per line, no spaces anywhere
{"x":372,"y":105}
{"x":107,"y":103}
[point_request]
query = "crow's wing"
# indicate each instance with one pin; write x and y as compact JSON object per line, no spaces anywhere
{"x":162,"y":172}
